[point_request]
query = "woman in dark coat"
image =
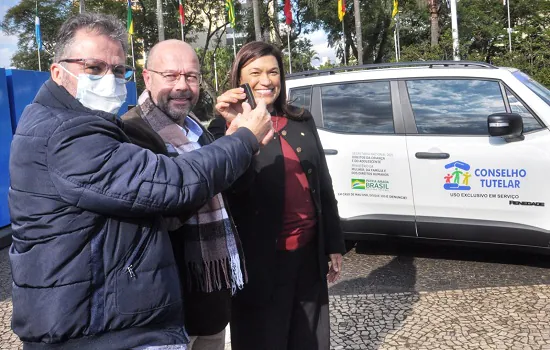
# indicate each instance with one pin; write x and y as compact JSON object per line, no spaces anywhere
{"x":286,"y":216}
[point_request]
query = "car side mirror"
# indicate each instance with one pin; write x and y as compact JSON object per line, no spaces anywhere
{"x":506,"y":125}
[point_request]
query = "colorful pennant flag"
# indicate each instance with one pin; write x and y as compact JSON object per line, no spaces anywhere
{"x":182,"y":12}
{"x":395,"y":9}
{"x":37,"y":32}
{"x":341,"y":9}
{"x":288,"y":12}
{"x":129,"y":19}
{"x":230,"y":8}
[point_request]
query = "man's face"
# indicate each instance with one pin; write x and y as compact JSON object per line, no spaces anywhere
{"x":174,"y":98}
{"x":86,"y":44}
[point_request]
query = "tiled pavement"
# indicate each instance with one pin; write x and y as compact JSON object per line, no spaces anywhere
{"x":483,"y":318}
{"x":370,"y":311}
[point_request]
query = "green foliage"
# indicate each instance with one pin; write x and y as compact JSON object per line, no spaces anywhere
{"x":327,"y":65}
{"x":482,"y":31}
{"x":19,"y":20}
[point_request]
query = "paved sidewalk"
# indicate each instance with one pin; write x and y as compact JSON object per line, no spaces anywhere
{"x":483,"y":318}
{"x":495,"y":317}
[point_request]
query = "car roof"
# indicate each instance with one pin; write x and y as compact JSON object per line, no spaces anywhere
{"x":428,"y":69}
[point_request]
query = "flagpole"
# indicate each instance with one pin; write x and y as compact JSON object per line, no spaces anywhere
{"x":215,"y":71}
{"x":509,"y":27}
{"x":39,"y":65}
{"x":395,"y":44}
{"x":344,"y":41}
{"x":182,"y":20}
{"x":289,"y":54}
{"x":398,"y":39}
{"x":133,"y":59}
{"x":234,"y":45}
{"x":36,"y":39}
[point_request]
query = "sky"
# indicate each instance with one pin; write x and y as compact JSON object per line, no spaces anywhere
{"x":8,"y":44}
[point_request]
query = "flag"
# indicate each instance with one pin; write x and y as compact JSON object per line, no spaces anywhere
{"x":37,"y":32}
{"x":341,"y":9}
{"x":182,"y":12}
{"x":230,"y":8}
{"x":129,"y":19}
{"x":288,"y":12}
{"x":395,"y":8}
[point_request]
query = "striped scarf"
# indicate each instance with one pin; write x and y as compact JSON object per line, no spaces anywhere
{"x":212,"y":250}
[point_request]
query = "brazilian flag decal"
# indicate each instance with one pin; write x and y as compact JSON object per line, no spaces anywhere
{"x":358,"y":184}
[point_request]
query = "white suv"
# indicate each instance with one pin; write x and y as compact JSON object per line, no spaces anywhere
{"x":448,"y":150}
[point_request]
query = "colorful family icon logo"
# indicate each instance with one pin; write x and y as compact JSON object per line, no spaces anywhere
{"x":458,"y":178}
{"x":358,"y":184}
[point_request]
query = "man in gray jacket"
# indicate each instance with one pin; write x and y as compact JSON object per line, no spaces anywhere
{"x":91,"y":259}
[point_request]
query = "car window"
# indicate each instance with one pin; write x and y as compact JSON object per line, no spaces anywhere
{"x":454,"y":106}
{"x":359,"y":108}
{"x":300,"y":97}
{"x":534,"y":86}
{"x":530,"y":123}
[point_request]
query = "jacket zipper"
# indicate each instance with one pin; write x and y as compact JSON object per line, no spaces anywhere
{"x":138,"y":252}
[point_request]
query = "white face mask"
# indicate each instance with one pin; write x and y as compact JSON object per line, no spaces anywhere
{"x":105,"y":94}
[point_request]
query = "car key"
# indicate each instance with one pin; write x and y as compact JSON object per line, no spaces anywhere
{"x":249,"y":95}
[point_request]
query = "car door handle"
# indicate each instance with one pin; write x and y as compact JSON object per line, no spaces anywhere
{"x":430,"y":155}
{"x":330,"y":152}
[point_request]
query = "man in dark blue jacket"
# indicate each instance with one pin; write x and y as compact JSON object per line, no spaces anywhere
{"x":91,"y":259}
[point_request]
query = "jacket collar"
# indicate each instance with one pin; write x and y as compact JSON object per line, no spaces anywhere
{"x":56,"y":96}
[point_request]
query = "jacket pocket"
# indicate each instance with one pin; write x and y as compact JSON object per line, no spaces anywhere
{"x":149,"y":279}
{"x":136,"y":255}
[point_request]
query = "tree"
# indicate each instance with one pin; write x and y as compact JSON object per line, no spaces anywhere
{"x":375,"y":30}
{"x":19,"y":20}
{"x":327,"y":65}
{"x":358,"y":31}
{"x":302,"y":54}
{"x":434,"y":6}
{"x":256,"y":12}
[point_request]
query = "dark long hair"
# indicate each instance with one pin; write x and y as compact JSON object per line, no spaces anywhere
{"x":253,"y":51}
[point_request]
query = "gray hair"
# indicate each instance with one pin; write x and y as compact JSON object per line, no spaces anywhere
{"x":98,"y":23}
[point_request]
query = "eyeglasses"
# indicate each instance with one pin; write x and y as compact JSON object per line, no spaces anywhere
{"x":192,"y":79}
{"x":97,"y":69}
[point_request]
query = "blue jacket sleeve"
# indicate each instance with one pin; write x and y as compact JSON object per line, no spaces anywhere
{"x":92,"y":167}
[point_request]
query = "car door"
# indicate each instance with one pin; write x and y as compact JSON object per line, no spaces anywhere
{"x":469,"y":186}
{"x":362,"y":133}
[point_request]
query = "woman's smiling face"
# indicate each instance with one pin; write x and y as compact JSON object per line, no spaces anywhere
{"x":264,"y":77}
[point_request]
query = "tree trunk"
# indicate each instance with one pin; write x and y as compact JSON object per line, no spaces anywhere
{"x":82,"y":6}
{"x":257,"y":28}
{"x":358,"y":32}
{"x":275,"y":23}
{"x":160,"y":20}
{"x":434,"y":15}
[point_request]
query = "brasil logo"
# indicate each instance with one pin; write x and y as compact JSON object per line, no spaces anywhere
{"x":358,"y":184}
{"x":458,"y":177}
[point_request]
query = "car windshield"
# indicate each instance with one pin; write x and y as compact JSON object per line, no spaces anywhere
{"x":535,"y":86}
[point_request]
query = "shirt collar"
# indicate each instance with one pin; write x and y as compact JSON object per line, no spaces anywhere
{"x":195,"y":130}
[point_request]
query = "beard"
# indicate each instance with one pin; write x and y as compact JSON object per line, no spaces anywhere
{"x":176,"y":112}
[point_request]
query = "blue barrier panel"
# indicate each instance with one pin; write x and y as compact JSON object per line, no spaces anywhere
{"x":18,"y":89}
{"x":5,"y":140}
{"x":24,"y":84}
{"x":131,"y":98}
